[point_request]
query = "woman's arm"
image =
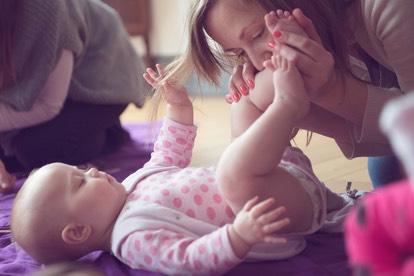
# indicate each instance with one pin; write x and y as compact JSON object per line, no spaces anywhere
{"x":318,"y":120}
{"x":48,"y":104}
{"x":384,"y":31}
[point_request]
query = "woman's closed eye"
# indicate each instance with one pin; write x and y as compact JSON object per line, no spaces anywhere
{"x":258,"y":34}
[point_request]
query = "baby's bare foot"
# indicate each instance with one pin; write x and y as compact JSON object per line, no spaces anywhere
{"x":285,"y":74}
{"x":289,"y":86}
{"x":283,"y":21}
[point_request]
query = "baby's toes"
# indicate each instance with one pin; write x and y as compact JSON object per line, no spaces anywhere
{"x":271,"y":20}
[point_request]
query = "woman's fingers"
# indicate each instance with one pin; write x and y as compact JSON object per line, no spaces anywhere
{"x":307,"y":25}
{"x":248,"y":74}
{"x":299,"y":43}
{"x":241,"y":80}
{"x":314,"y":62}
{"x":7,"y":180}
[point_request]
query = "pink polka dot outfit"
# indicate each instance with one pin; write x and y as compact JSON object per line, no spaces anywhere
{"x":175,"y":220}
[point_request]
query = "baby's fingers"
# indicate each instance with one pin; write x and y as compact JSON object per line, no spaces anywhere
{"x":149,"y":79}
{"x":275,"y":214}
{"x":261,"y":207}
{"x":274,"y":239}
{"x":160,"y":69}
{"x":250,"y":204}
{"x":275,"y":226}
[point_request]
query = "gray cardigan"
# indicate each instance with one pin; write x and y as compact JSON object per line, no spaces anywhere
{"x":106,"y":70}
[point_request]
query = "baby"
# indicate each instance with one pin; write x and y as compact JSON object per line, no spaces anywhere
{"x":258,"y":204}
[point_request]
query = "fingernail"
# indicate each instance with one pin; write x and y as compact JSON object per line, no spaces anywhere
{"x":271,"y":44}
{"x":243,"y":89}
{"x":277,"y":34}
{"x":250,"y":83}
{"x":236,"y":97}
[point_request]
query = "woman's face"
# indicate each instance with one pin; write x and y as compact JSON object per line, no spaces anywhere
{"x":240,"y":30}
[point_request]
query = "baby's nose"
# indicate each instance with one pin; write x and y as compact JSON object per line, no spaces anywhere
{"x":93,"y":172}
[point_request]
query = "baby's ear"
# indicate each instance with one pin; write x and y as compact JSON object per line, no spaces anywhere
{"x":76,"y":234}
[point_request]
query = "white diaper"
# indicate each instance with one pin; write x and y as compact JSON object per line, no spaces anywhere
{"x":316,"y":192}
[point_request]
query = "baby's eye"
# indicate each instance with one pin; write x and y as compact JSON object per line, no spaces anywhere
{"x":81,"y":182}
{"x":83,"y":167}
{"x":81,"y":176}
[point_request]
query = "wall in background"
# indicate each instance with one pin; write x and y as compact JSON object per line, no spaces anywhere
{"x":168,"y":20}
{"x":168,"y":39}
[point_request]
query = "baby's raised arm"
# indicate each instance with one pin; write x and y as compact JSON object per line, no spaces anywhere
{"x":179,"y":106}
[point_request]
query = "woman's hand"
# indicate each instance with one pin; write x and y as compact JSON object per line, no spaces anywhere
{"x":315,"y":63}
{"x":7,"y":181}
{"x":241,"y":80}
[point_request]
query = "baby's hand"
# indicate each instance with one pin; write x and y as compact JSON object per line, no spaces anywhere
{"x":174,"y":94}
{"x":7,"y":181}
{"x":255,"y":224}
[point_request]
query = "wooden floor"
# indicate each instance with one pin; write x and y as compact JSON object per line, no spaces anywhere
{"x":213,"y":117}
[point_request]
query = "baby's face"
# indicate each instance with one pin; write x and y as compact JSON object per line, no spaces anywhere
{"x":87,"y":196}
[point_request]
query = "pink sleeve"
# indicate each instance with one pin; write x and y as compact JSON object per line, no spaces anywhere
{"x":171,"y":253}
{"x":174,"y":145}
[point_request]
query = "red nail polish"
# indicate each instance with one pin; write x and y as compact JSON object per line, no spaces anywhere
{"x":236,"y":97}
{"x":277,"y":34}
{"x":271,"y":44}
{"x":250,"y":83}
{"x":243,"y":90}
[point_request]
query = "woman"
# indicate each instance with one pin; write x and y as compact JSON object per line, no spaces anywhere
{"x":67,"y":71}
{"x":347,"y":40}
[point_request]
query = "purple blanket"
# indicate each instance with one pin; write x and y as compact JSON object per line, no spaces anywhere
{"x":324,"y":255}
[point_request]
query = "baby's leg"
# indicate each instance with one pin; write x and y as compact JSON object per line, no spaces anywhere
{"x":250,"y":165}
{"x":289,"y":86}
{"x":283,"y":21}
